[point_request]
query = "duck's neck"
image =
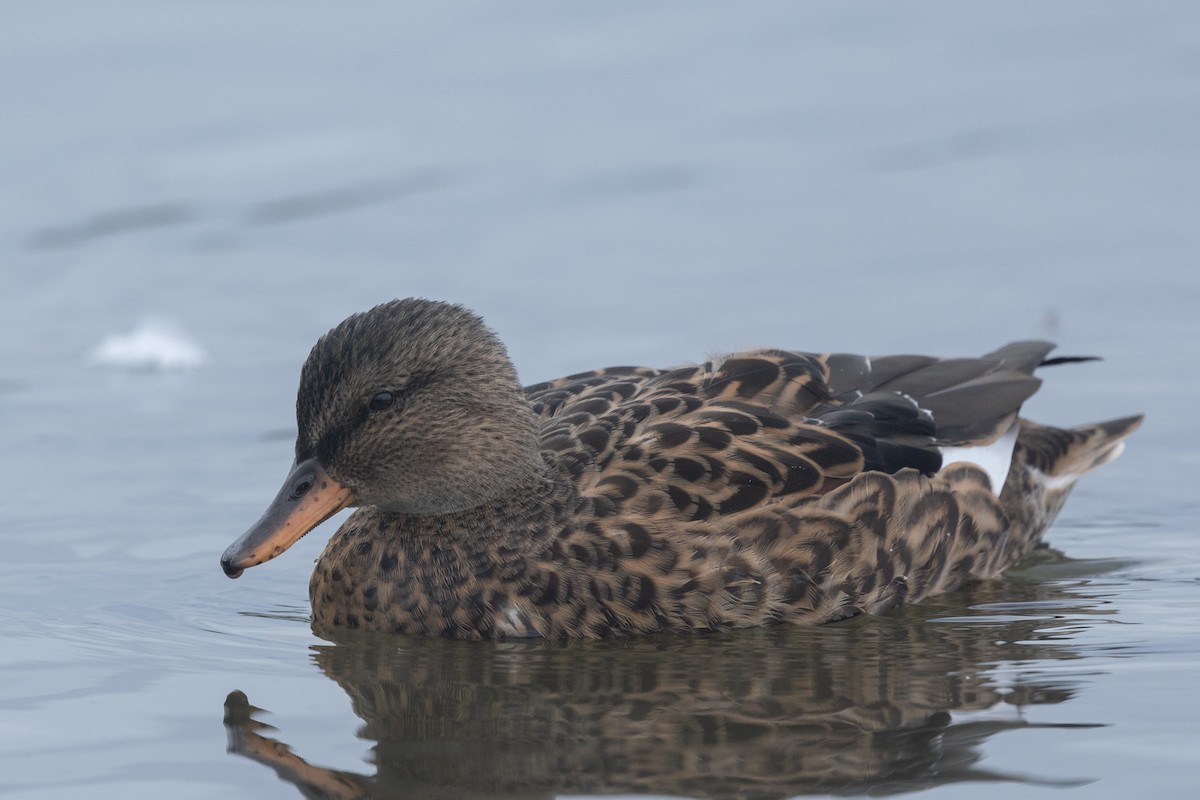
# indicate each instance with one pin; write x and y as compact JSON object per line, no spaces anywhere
{"x":527,"y":516}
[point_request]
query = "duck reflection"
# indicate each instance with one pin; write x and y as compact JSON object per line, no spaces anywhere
{"x":881,"y":705}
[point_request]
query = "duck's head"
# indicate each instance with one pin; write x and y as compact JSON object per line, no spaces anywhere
{"x":412,"y":407}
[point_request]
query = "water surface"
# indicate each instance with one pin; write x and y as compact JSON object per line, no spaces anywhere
{"x":620,"y":183}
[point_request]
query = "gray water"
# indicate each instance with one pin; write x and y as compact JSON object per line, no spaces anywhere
{"x":606,"y":183}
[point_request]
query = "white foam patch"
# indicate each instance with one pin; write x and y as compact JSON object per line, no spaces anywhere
{"x":153,"y":345}
{"x":994,"y":458}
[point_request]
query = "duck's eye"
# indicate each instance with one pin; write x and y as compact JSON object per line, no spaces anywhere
{"x":382,"y":401}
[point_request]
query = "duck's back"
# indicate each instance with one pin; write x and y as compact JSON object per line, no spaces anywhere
{"x":791,"y":486}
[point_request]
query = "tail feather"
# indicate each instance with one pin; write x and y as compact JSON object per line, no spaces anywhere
{"x":1070,"y":453}
{"x":1046,"y":463}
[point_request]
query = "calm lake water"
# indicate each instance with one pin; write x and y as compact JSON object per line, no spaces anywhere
{"x":607,"y":183}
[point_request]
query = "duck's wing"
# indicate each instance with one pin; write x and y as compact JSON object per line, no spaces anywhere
{"x":969,"y":400}
{"x":696,"y":441}
{"x":968,"y":406}
{"x":726,"y":436}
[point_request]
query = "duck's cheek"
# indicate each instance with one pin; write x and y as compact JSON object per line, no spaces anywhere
{"x":308,"y":498}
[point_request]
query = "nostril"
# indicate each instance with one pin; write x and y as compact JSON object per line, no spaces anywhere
{"x":229,"y":569}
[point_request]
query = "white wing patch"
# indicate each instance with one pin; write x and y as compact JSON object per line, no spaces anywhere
{"x":994,"y":458}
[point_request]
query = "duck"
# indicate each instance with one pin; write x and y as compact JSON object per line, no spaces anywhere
{"x":768,"y":486}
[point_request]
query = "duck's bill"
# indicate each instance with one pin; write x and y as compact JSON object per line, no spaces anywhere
{"x":308,"y":498}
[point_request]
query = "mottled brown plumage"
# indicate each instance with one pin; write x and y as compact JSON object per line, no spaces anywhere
{"x":770,"y":486}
